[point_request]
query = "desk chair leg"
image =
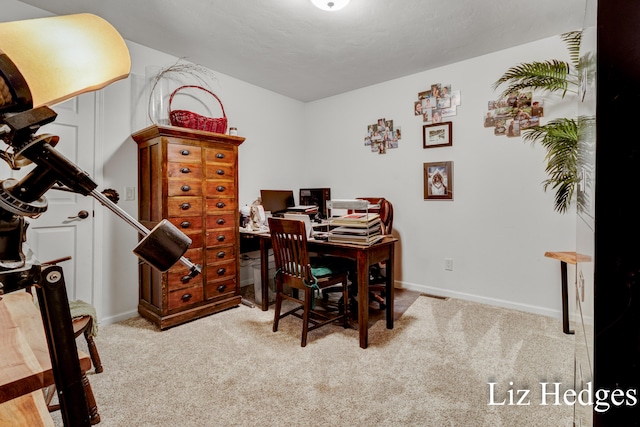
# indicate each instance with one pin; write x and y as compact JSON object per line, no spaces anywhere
{"x":345,"y":311}
{"x":308,"y":295}
{"x":94,"y":416}
{"x":93,"y":350}
{"x":278,"y":307}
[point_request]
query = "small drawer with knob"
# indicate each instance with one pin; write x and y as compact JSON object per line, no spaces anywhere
{"x":184,"y":206}
{"x":188,"y":225}
{"x":221,"y":220}
{"x":184,"y":153}
{"x":222,"y":172}
{"x":220,"y":237}
{"x":217,"y":288}
{"x":218,"y":270}
{"x":219,"y":155}
{"x":184,"y":297}
{"x":218,"y":204}
{"x":184,"y":170}
{"x":220,"y":254}
{"x":180,"y":279}
{"x":216,"y":188}
{"x":183,"y":187}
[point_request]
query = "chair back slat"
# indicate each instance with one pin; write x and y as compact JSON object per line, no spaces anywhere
{"x":289,"y":241}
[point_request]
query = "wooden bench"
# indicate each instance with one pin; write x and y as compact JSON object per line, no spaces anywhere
{"x":26,"y":364}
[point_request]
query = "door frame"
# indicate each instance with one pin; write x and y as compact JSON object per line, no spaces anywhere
{"x":98,"y":217}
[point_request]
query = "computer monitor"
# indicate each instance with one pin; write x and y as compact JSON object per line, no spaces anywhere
{"x":317,"y":197}
{"x":277,"y":201}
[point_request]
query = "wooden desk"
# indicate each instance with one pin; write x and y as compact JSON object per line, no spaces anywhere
{"x":566,"y":258}
{"x":25,"y":361}
{"x":21,"y":377}
{"x":364,"y":256}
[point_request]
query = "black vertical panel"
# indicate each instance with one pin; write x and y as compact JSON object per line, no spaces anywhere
{"x":617,"y":218}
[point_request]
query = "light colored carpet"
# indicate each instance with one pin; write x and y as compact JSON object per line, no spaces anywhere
{"x":432,"y":369}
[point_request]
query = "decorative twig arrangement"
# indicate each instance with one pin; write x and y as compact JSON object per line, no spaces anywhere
{"x":187,"y":72}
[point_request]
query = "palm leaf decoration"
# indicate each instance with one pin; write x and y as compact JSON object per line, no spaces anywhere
{"x":548,"y":75}
{"x":573,"y":40}
{"x":558,"y":137}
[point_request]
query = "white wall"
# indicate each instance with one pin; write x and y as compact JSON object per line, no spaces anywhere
{"x":270,"y":123}
{"x":500,"y":222}
{"x":496,"y":230}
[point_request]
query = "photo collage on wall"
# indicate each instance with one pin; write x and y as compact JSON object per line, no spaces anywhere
{"x":382,"y":136}
{"x":509,"y":116}
{"x":437,"y":103}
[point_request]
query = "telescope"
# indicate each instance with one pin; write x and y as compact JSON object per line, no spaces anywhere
{"x":44,"y":62}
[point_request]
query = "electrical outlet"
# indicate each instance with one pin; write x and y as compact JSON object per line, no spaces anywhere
{"x":448,"y":264}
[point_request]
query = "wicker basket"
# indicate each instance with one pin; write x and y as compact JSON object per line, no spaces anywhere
{"x":189,"y":119}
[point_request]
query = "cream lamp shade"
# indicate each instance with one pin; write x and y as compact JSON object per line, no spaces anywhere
{"x":63,"y":56}
{"x":329,"y":5}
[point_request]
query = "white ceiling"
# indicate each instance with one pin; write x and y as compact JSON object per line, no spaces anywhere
{"x":297,"y":50}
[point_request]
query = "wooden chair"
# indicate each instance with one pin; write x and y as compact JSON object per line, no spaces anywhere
{"x":82,"y":315}
{"x":83,"y":325}
{"x":294,"y":268}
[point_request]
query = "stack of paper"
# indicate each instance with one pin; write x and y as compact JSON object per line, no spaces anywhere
{"x":358,"y":228}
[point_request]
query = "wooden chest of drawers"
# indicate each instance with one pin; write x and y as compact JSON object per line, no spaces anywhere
{"x":190,"y":178}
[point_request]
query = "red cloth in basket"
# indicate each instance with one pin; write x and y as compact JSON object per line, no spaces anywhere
{"x":189,"y":119}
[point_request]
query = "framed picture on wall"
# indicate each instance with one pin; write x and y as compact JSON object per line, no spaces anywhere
{"x":438,"y":181}
{"x":437,"y":135}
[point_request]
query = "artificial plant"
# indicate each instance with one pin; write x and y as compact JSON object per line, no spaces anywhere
{"x":559,"y":137}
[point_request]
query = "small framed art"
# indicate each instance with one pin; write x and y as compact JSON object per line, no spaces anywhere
{"x":438,"y":181}
{"x":437,"y":135}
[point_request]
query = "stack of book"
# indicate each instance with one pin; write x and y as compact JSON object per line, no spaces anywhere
{"x":305,"y":209}
{"x":356,"y":228}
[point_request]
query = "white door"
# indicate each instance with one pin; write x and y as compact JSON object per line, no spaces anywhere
{"x":60,"y":232}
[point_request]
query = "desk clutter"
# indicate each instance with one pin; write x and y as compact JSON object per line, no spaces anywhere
{"x":360,"y":225}
{"x":352,"y":221}
{"x":363,"y":238}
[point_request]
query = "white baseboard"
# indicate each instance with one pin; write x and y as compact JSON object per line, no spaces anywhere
{"x":118,"y":318}
{"x":479,"y":299}
{"x":409,"y":286}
